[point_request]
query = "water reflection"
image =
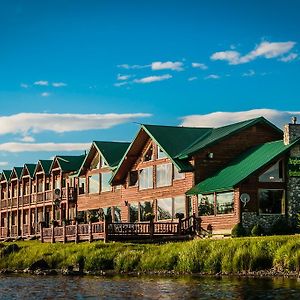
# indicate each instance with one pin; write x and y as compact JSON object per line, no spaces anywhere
{"x":147,"y":287}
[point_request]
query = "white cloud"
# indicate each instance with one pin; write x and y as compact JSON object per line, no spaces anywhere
{"x":27,"y":139}
{"x":3,"y":163}
{"x":289,"y":57}
{"x":264,"y":49}
{"x":192,"y":78}
{"x":212,"y":76}
{"x":24,"y":85}
{"x":128,"y":67}
{"x":23,"y":123}
{"x":29,"y":147}
{"x":168,"y":65}
{"x":118,"y":84}
{"x":123,"y":77}
{"x":59,"y":84}
{"x":41,"y":82}
{"x":250,"y":73}
{"x":150,"y":79}
{"x":217,"y":119}
{"x":199,"y":66}
{"x":45,"y":94}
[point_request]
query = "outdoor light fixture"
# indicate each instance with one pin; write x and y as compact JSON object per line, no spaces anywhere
{"x":210,"y":155}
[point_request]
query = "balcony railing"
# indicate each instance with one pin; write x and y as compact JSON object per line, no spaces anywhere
{"x":3,"y":232}
{"x":14,"y":202}
{"x":3,"y":203}
{"x":40,"y":197}
{"x":33,"y":199}
{"x":26,"y":199}
{"x":48,"y":195}
{"x":14,"y":231}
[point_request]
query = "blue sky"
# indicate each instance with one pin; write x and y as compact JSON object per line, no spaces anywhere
{"x":76,"y":71}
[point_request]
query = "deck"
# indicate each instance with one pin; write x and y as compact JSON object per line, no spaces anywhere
{"x":114,"y":231}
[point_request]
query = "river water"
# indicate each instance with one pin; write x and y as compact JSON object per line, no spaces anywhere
{"x":146,"y":287}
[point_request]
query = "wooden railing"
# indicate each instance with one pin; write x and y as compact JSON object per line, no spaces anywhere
{"x":26,"y":230}
{"x":49,"y":195}
{"x":33,"y":199}
{"x":26,"y":200}
{"x":14,"y":231}
{"x":3,"y":232}
{"x":40,"y":197}
{"x":3,"y":204}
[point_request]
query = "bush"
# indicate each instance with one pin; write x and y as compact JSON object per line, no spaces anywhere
{"x":257,"y":230}
{"x":238,"y":230}
{"x":281,"y":227}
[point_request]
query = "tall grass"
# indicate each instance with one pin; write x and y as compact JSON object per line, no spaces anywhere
{"x":208,"y":256}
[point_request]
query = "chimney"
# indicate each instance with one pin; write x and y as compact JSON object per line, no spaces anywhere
{"x":291,"y":131}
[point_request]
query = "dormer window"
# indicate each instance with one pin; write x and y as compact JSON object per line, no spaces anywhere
{"x":149,"y":154}
{"x":273,"y":174}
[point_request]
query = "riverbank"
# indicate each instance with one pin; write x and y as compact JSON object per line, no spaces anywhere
{"x":257,"y":256}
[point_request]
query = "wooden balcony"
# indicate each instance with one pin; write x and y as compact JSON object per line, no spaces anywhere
{"x":26,"y":200}
{"x":26,"y":230}
{"x":40,"y":197}
{"x":49,"y":195}
{"x":14,"y":231}
{"x":3,"y":203}
{"x":14,"y":202}
{"x":33,"y":199}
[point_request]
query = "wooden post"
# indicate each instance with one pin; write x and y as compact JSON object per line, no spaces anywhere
{"x":42,"y":233}
{"x":64,"y":232}
{"x":194,"y":223}
{"x":151,"y":228}
{"x":76,"y":232}
{"x":52,"y":233}
{"x":105,"y":227}
{"x":90,"y":232}
{"x":179,"y":226}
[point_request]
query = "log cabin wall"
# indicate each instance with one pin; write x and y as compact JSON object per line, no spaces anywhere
{"x":229,"y":148}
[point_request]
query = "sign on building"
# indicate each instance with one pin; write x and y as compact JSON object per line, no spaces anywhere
{"x":294,"y":167}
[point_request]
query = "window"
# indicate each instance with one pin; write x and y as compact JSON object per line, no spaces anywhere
{"x":40,"y":185}
{"x":117,"y":214}
{"x":94,"y":184}
{"x":271,"y":201}
{"x":149,"y":154}
{"x":178,"y":175}
{"x":179,"y":205}
{"x":164,"y":175}
{"x":164,"y":208}
{"x":56,"y":182}
{"x":273,"y":174}
{"x":134,"y":212}
{"x":95,"y":162}
{"x":145,"y":208}
{"x":225,"y":203}
{"x":105,"y":186}
{"x":133,"y":178}
{"x":81,"y":184}
{"x":160,"y":153}
{"x":146,"y":178}
{"x":206,"y":206}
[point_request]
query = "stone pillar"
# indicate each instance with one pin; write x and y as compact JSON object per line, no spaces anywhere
{"x":291,"y":133}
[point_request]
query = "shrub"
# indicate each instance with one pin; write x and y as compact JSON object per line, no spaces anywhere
{"x":257,"y":230}
{"x":281,"y":227}
{"x":238,"y":230}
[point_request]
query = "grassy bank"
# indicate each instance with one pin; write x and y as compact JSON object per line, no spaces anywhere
{"x":281,"y":253}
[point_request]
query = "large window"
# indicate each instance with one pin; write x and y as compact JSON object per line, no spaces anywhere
{"x":164,"y":175}
{"x":145,"y":208}
{"x":164,"y":208}
{"x":179,"y":205}
{"x":271,"y":201}
{"x":105,"y":186}
{"x":273,"y":174}
{"x":178,"y":175}
{"x":225,"y":203}
{"x":146,"y":178}
{"x":94,"y":184}
{"x":134,"y":212}
{"x":160,"y":153}
{"x":206,"y":205}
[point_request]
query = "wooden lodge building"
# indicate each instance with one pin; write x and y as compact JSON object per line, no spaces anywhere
{"x":176,"y":177}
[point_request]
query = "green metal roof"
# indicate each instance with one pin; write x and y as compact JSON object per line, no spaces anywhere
{"x":18,"y":171}
{"x":69,"y":163}
{"x":30,"y":168}
{"x":174,"y":139}
{"x":217,"y":134}
{"x":242,"y":167}
{"x":46,"y":165}
{"x":6,"y":174}
{"x":112,"y":151}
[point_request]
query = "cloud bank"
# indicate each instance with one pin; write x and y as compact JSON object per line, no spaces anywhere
{"x":216,"y":119}
{"x":264,"y":49}
{"x":24,"y":123}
